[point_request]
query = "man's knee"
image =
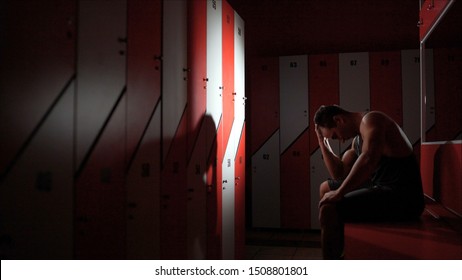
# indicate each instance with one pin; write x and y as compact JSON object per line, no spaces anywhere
{"x":323,"y":188}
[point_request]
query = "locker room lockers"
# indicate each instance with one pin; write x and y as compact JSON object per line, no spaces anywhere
{"x":323,"y":89}
{"x":37,"y":89}
{"x":294,"y":165}
{"x":122,"y":154}
{"x":386,"y":81}
{"x":143,"y":129}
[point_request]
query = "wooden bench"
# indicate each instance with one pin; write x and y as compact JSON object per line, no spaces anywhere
{"x":436,"y":236}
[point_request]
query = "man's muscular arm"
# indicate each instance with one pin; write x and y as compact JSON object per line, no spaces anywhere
{"x":363,"y":168}
{"x":337,"y":167}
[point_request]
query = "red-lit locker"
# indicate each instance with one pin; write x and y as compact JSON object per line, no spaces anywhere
{"x":173,"y":222}
{"x":143,"y":129}
{"x":263,"y":100}
{"x":324,"y":90}
{"x":143,"y":194}
{"x":295,"y":184}
{"x":385,"y":84}
{"x":37,"y":87}
{"x":173,"y":192}
{"x":101,"y":67}
{"x":143,"y":66}
{"x":37,"y":195}
{"x":230,"y":132}
{"x":197,"y":131}
{"x":240,"y":140}
{"x":174,"y":69}
{"x":214,"y":117}
{"x":239,"y":194}
{"x":100,"y":196}
{"x":28,"y":61}
{"x":100,"y":120}
{"x":264,"y":141}
{"x":430,"y":11}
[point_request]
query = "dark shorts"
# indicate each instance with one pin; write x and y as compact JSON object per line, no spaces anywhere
{"x":335,"y":184}
{"x":374,"y":203}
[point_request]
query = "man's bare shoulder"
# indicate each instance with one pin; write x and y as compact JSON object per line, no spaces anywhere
{"x":376,"y":118}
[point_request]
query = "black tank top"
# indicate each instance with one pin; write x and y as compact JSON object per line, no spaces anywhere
{"x":399,"y":173}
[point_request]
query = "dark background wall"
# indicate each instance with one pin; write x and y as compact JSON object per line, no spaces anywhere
{"x":287,"y":27}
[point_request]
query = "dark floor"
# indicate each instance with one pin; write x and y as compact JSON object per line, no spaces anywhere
{"x":278,"y":244}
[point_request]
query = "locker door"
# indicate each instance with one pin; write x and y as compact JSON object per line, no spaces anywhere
{"x":100,"y":67}
{"x":100,"y":140}
{"x":143,"y":66}
{"x":143,"y":195}
{"x":266,"y":185}
{"x":196,"y":204}
{"x":214,"y":114}
{"x":33,"y":72}
{"x":197,"y":131}
{"x":143,"y":129}
{"x":385,"y":82}
{"x":214,"y":60}
{"x":174,"y":67}
{"x":448,"y":93}
{"x":295,"y":185}
{"x":37,"y":196}
{"x":231,"y":132}
{"x":293,"y":81}
{"x":410,"y":69}
{"x":174,"y":132}
{"x":239,"y":159}
{"x":264,"y":100}
{"x":100,"y":196}
{"x":354,"y":84}
{"x":37,"y":90}
{"x":240,"y":190}
{"x":324,"y":90}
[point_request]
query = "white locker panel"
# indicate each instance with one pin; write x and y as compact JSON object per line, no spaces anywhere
{"x":143,"y":195}
{"x":214,"y":60}
{"x":100,"y":66}
{"x":293,"y":81}
{"x":175,"y":72}
{"x":228,"y":197}
{"x":239,"y":69}
{"x":37,"y":198}
{"x":354,"y":81}
{"x":410,"y":63}
{"x":266,"y":202}
{"x":354,"y":84}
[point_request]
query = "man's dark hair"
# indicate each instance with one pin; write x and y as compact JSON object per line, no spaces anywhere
{"x":324,"y":116}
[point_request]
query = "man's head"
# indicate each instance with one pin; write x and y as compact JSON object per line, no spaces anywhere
{"x":333,"y":122}
{"x":325,"y":115}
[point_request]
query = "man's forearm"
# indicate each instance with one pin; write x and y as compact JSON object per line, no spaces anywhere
{"x":332,"y":162}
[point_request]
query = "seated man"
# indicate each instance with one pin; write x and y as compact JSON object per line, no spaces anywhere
{"x":377,"y":179}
